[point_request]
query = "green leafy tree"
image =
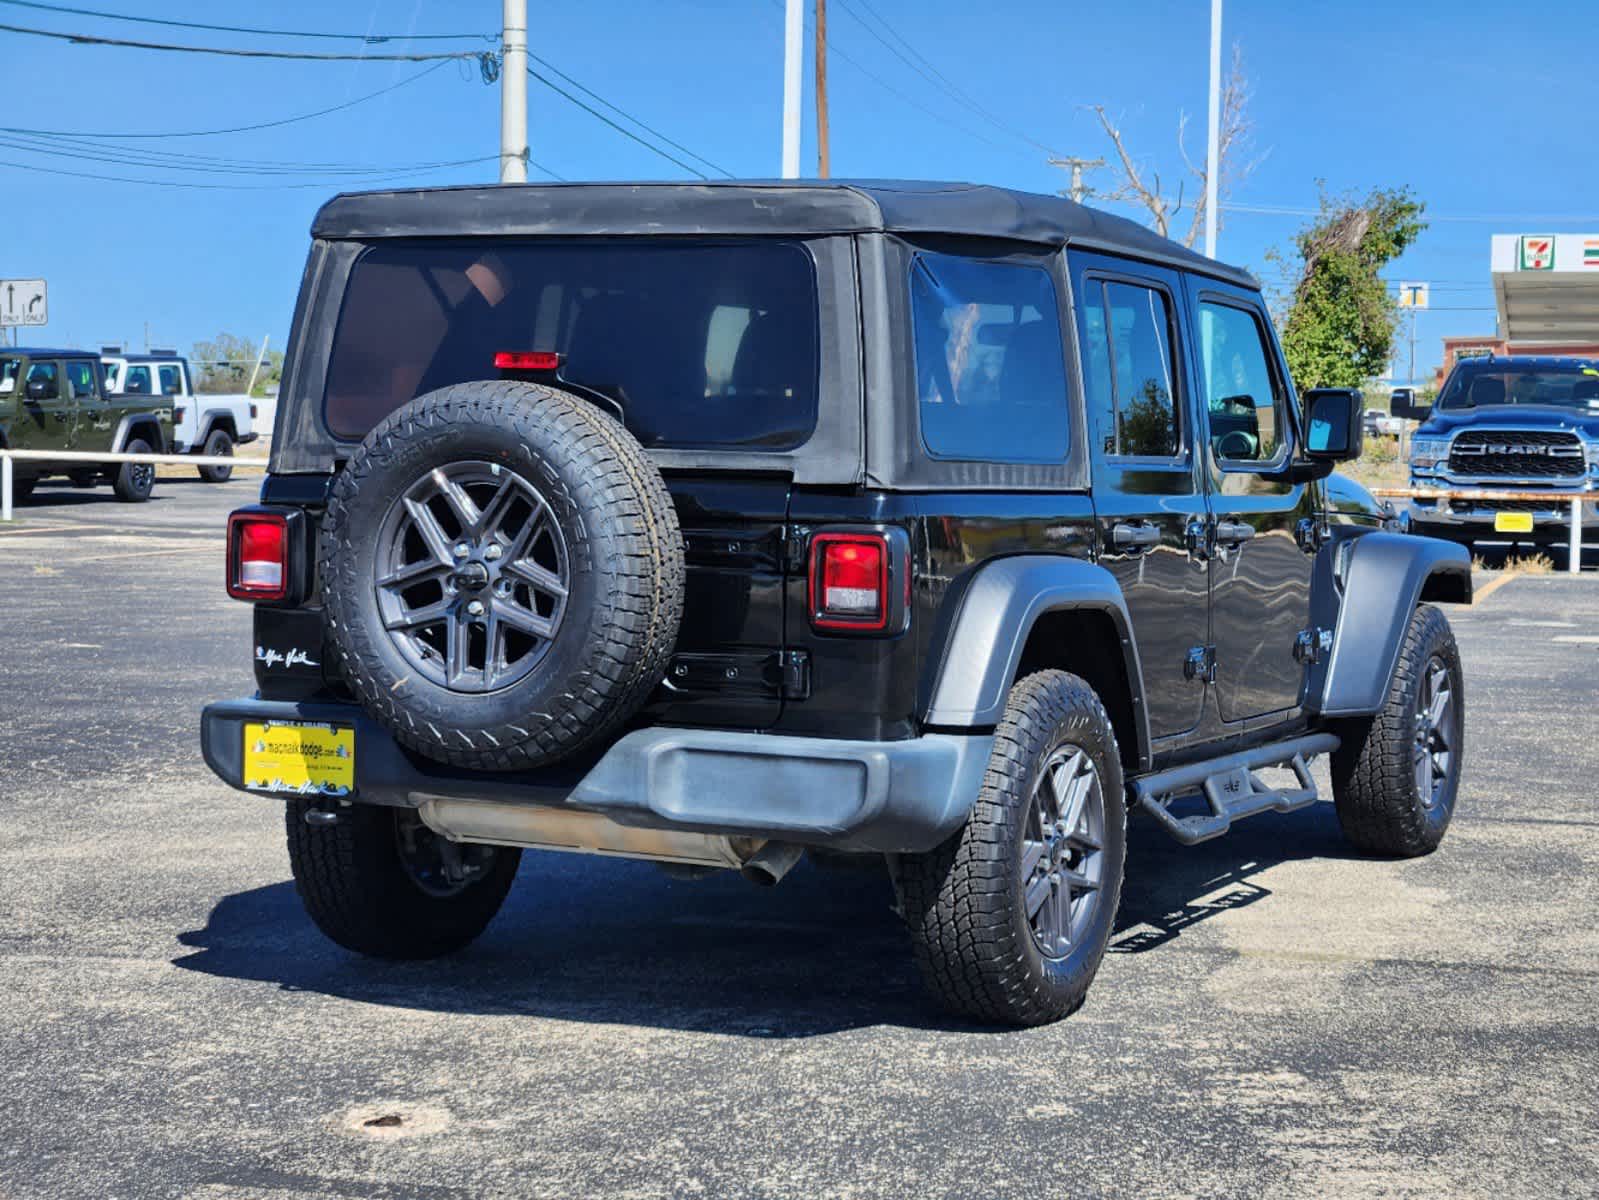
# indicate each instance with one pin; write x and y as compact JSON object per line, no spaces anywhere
{"x":1340,"y":324}
{"x":223,"y":364}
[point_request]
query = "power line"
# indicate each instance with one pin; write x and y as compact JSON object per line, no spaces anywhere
{"x":627,"y":133}
{"x":299,"y":33}
{"x":233,"y":187}
{"x":934,"y":76}
{"x":88,"y":39}
{"x":554,"y":70}
{"x":321,"y":112}
{"x":1283,"y":210}
{"x":92,"y":152}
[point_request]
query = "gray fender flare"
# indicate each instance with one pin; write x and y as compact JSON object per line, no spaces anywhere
{"x":144,"y":425}
{"x":1386,"y":575}
{"x":977,"y":658}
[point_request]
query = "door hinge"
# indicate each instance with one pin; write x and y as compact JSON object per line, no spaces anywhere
{"x":1310,"y":645}
{"x":1311,"y":534}
{"x":794,"y":674}
{"x":796,"y":543}
{"x":1200,"y":664}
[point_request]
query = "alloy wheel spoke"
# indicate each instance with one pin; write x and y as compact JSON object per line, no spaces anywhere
{"x":1033,"y":853}
{"x":518,"y":544}
{"x":428,"y":528}
{"x":413,"y":573}
{"x":1038,"y":892}
{"x":523,"y":619}
{"x":417,"y":618}
{"x":488,"y":521}
{"x":464,"y":507}
{"x":456,"y":641}
{"x":537,"y":576}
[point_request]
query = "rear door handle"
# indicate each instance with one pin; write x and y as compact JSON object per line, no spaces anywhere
{"x":1233,"y":533}
{"x":1135,"y":536}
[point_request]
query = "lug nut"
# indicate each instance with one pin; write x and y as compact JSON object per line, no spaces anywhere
{"x":462,"y":549}
{"x":475,"y":608}
{"x":494,"y":551}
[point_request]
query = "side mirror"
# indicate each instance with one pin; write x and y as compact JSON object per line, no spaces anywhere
{"x":1335,"y":426}
{"x":1410,"y":410}
{"x":41,"y":389}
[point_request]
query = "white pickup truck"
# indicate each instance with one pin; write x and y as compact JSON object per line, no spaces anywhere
{"x":201,"y":423}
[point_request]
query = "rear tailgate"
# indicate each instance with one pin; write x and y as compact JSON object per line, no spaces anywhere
{"x":730,"y":668}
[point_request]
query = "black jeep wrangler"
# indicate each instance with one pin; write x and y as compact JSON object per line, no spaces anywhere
{"x":711,"y":524}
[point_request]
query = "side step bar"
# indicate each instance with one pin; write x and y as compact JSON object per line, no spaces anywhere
{"x":1230,"y":785}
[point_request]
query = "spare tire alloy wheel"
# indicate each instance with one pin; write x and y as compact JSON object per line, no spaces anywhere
{"x":472,"y":576}
{"x":502,"y":574}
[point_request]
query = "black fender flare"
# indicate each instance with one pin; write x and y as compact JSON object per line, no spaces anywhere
{"x":976,"y":658}
{"x":1384,"y":576}
{"x":145,"y":425}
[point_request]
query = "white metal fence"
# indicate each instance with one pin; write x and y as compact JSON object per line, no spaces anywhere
{"x":83,"y":456}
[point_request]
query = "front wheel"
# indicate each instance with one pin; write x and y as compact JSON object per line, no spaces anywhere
{"x":1011,"y":916}
{"x":135,"y":481}
{"x":1397,"y":774}
{"x":218,"y":445}
{"x":380,"y":882}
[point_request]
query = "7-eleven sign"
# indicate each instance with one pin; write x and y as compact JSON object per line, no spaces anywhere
{"x":1538,"y":252}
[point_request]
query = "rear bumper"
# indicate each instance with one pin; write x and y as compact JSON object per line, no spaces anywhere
{"x":893,"y":797}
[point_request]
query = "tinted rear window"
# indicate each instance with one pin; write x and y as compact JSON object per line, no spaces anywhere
{"x":701,"y":345}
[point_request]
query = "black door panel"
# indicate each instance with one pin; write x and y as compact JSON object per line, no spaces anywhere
{"x":1149,"y":497}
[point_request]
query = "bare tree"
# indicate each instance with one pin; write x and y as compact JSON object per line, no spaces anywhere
{"x":1142,"y":185}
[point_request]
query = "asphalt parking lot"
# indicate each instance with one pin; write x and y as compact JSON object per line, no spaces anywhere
{"x":1277,"y":1017}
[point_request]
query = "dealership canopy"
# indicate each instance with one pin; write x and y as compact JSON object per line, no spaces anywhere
{"x":1546,"y":286}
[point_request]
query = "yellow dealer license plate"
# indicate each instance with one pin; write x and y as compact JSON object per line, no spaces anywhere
{"x":300,"y":758}
{"x":1512,"y":522}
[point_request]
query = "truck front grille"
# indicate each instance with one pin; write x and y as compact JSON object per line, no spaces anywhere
{"x":1518,"y":453}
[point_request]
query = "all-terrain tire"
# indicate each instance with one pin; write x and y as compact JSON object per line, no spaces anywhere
{"x":625,"y":557}
{"x":1375,"y":771}
{"x":356,"y":888}
{"x":966,"y":901}
{"x":134,"y":482}
{"x":218,"y":445}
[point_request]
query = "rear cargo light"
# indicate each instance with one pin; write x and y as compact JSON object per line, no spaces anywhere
{"x":258,"y":555}
{"x":849,"y":587}
{"x":526,"y":360}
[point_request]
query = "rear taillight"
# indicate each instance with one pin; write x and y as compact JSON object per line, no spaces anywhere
{"x":849,"y":581}
{"x":255,"y":413}
{"x":258,"y":555}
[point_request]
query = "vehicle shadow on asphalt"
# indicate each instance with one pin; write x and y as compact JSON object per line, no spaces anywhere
{"x":604,"y":940}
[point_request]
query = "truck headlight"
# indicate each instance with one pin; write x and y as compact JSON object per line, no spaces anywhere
{"x":1593,"y":452}
{"x":1429,"y":452}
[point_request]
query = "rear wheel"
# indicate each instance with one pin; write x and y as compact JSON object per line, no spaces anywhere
{"x":1397,"y":774}
{"x":218,"y":445}
{"x":1011,"y":916}
{"x":380,"y":882}
{"x":135,"y":481}
{"x":21,"y":489}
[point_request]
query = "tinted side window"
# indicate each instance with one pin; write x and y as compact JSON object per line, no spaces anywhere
{"x":990,"y":373}
{"x":137,"y":382}
{"x":171,"y":380}
{"x":1129,"y":371}
{"x":45,"y":373}
{"x":1246,"y":410}
{"x":81,"y":376}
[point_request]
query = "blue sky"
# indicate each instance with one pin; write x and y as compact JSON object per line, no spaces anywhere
{"x":1484,"y":113}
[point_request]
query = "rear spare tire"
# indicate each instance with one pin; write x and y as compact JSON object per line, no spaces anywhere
{"x":502,"y":573}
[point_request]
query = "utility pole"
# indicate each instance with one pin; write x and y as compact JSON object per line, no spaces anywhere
{"x":1213,"y":141}
{"x":513,"y":93}
{"x":823,"y":152}
{"x":793,"y":54}
{"x":1078,"y":191}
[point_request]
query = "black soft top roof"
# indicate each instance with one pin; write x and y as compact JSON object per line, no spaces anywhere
{"x":45,"y":352}
{"x":751,"y":207}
